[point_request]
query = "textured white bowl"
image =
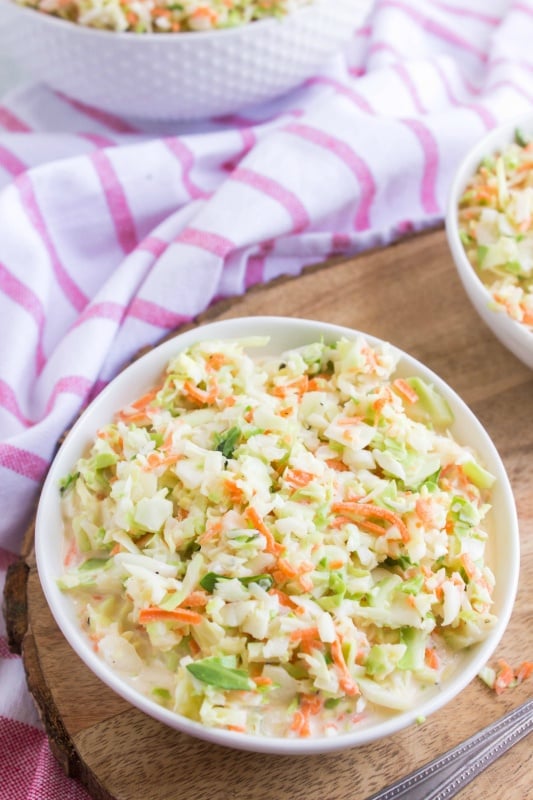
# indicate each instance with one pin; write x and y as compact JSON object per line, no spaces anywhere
{"x":178,"y":76}
{"x":511,"y":333}
{"x":503,"y":556}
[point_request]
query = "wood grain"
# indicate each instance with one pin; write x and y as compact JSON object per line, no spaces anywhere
{"x":410,"y":295}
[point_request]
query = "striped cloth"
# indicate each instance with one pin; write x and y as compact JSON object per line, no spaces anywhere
{"x":111,"y":236}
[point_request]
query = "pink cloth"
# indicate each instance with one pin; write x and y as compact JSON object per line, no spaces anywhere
{"x":111,"y":236}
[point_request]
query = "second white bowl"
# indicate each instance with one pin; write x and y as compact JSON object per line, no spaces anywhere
{"x":515,"y":336}
{"x":178,"y":76}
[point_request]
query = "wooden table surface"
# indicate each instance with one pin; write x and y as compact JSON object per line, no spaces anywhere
{"x":408,"y":294}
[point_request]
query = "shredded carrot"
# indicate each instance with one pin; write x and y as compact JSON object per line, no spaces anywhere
{"x":337,"y":564}
{"x":309,"y":704}
{"x":180,"y":514}
{"x":524,"y":671}
{"x":283,"y":598}
{"x":346,"y":682}
{"x":504,"y":676}
{"x":316,"y":383}
{"x":451,"y":472}
{"x":285,"y":412}
{"x":235,"y":492}
{"x":196,"y":599}
{"x":200,"y":395}
{"x":371,"y":527}
{"x":154,"y":614}
{"x":302,"y":634}
{"x":525,"y":166}
{"x":507,"y":677}
{"x":194,"y":647}
{"x":138,"y":418}
{"x":156,"y":459}
{"x":305,"y":582}
{"x":486,"y":192}
{"x":210,"y":533}
{"x":236,"y":728}
{"x":347,"y":421}
{"x":167,"y":443}
{"x":281,"y":577}
{"x":203,"y":12}
{"x":146,"y":399}
{"x":262,"y":680}
{"x":215,"y":361}
{"x":138,"y":413}
{"x":424,"y":509}
{"x":371,"y":510}
{"x":449,"y":527}
{"x":308,"y":645}
{"x":337,"y":464}
{"x":298,"y":478}
{"x":469,"y":566}
{"x":271,"y":545}
{"x":286,"y":569}
{"x":70,"y":555}
{"x":340,"y":522}
{"x":431,"y":658}
{"x":300,"y":722}
{"x":313,"y":702}
{"x":382,"y":401}
{"x":299,"y":386}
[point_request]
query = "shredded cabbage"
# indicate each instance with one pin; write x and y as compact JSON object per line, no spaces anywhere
{"x":282,"y":546}
{"x":164,"y":16}
{"x":496,"y":228}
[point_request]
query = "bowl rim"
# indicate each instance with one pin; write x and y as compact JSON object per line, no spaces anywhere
{"x":489,"y":143}
{"x":306,"y":330}
{"x":170,"y":37}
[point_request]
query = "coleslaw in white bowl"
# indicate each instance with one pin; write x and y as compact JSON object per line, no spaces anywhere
{"x":489,"y":231}
{"x":183,"y":75}
{"x":164,"y":16}
{"x":279,"y":535}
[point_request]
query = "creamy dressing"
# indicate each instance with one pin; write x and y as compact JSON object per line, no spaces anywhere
{"x":283,"y":547}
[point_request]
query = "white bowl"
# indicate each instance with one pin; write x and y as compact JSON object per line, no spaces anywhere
{"x":178,"y":76}
{"x":516,"y":337}
{"x":285,"y":333}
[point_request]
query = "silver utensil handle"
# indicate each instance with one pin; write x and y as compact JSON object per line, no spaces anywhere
{"x":446,"y":775}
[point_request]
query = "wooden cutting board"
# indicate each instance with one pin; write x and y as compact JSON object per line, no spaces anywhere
{"x":408,"y":294}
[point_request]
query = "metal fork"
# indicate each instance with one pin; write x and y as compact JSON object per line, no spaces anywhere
{"x":446,"y":775}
